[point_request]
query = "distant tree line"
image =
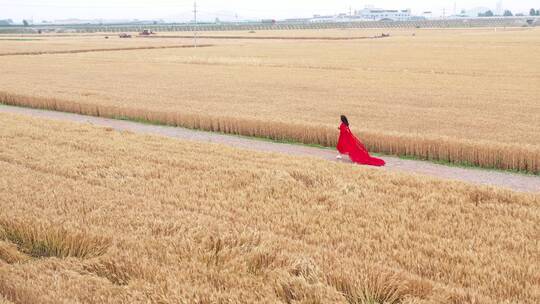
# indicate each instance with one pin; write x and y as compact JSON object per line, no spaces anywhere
{"x":508,"y":13}
{"x":486,"y":14}
{"x":6,"y":22}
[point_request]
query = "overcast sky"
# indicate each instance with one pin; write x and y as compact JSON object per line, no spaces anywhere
{"x":225,"y":9}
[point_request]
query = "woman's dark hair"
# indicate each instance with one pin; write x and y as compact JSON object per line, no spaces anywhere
{"x":344,"y":120}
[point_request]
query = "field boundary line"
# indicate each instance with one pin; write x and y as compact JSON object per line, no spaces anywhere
{"x":104,"y":50}
{"x":486,"y":154}
{"x":233,"y":37}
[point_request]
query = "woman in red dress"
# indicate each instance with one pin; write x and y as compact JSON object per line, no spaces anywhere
{"x":348,"y":144}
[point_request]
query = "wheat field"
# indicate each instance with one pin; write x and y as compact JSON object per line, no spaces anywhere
{"x":36,"y":44}
{"x":461,"y":96}
{"x":91,"y":215}
{"x":28,"y":43}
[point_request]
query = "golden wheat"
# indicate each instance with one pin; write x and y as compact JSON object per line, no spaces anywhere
{"x":4,"y":301}
{"x":10,"y":254}
{"x":483,"y":154}
{"x":202,"y":223}
{"x":103,"y":50}
{"x":43,"y":44}
{"x":461,"y":96}
{"x":38,"y":241}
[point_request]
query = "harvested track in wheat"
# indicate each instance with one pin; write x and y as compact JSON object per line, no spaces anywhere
{"x":238,"y":37}
{"x":104,"y":50}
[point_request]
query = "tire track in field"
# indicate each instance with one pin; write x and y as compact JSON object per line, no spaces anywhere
{"x":516,"y":182}
{"x":237,"y":37}
{"x":104,"y":50}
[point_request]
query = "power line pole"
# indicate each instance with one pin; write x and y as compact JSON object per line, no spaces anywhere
{"x":195,"y":28}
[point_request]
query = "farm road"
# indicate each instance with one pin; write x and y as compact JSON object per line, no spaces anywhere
{"x":516,"y":182}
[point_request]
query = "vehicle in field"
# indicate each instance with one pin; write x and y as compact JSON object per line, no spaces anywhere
{"x":146,"y":33}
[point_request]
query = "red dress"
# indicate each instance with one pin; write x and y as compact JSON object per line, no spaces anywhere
{"x":350,"y":145}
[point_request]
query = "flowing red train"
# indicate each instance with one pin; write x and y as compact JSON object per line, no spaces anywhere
{"x":348,"y":144}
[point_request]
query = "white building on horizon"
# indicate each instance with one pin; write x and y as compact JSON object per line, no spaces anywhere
{"x":377,"y":14}
{"x":369,"y":13}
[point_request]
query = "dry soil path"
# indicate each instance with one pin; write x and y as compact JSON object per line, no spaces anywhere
{"x":517,"y":182}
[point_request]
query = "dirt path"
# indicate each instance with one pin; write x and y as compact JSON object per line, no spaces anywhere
{"x":517,"y":182}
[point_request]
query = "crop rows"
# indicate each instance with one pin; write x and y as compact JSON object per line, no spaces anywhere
{"x":481,"y":154}
{"x":97,"y":216}
{"x":435,"y":95}
{"x":102,"y":50}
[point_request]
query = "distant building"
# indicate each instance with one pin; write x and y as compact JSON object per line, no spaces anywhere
{"x":324,"y":19}
{"x":427,"y":14}
{"x":369,"y":14}
{"x":268,"y":21}
{"x":377,"y":14}
{"x":298,"y":20}
{"x":475,"y":12}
